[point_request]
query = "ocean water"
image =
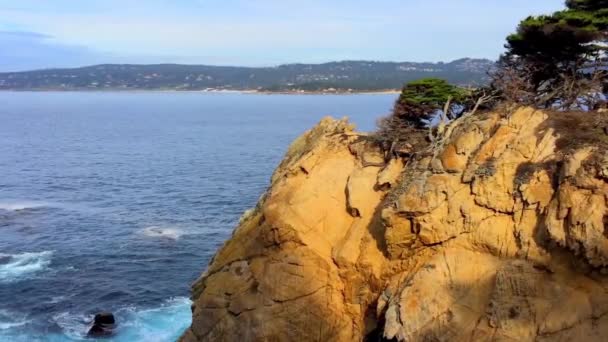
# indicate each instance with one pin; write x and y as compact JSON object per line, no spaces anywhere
{"x":117,"y":201}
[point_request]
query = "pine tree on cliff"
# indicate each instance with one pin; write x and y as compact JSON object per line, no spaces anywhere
{"x":423,"y":110}
{"x":557,"y":59}
{"x":420,"y":100}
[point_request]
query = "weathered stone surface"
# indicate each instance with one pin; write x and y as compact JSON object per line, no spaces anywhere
{"x":390,"y":174}
{"x":498,"y":235}
{"x":288,"y":273}
{"x":399,"y":234}
{"x":360,"y":201}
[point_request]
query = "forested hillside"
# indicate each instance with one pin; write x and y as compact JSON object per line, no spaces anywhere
{"x":334,"y":76}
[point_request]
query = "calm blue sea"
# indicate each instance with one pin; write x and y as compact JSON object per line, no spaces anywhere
{"x":117,"y":201}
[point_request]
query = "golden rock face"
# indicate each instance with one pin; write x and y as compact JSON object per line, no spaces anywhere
{"x":500,"y":235}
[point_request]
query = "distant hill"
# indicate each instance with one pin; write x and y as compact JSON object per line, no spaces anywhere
{"x":335,"y":76}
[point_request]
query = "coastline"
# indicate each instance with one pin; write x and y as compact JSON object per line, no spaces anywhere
{"x":363,"y":92}
{"x":245,"y":91}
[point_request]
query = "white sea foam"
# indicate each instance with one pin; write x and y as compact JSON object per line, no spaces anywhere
{"x":163,"y":323}
{"x":22,"y":205}
{"x":74,"y":326}
{"x":163,"y":232}
{"x":12,"y":327}
{"x":15,"y":267}
{"x":9,"y":325}
{"x":10,"y":320}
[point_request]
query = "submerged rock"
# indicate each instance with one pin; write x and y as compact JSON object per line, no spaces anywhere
{"x":500,"y":234}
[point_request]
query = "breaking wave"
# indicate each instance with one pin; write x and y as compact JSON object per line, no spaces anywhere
{"x":9,"y":320}
{"x":162,"y":232}
{"x":14,"y":267}
{"x":20,"y":206}
{"x":159,"y":324}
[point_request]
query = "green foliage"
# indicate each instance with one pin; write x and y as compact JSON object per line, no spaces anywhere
{"x":555,"y":58}
{"x":561,"y":37}
{"x":587,"y":5}
{"x":432,"y":92}
{"x":409,"y":126}
{"x":421,"y":99}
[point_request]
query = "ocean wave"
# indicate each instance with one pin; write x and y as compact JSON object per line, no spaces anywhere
{"x":15,"y":267}
{"x":163,"y":232}
{"x":164,"y":323}
{"x":13,"y":325}
{"x":9,"y":320}
{"x":20,"y":206}
{"x":74,"y":326}
{"x":158,"y":324}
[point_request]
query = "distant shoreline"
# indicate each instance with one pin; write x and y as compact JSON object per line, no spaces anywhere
{"x":337,"y":92}
{"x":260,"y":92}
{"x":334,"y":78}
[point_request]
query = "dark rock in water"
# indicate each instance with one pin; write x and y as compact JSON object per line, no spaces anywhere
{"x":103,"y":325}
{"x":98,"y":331}
{"x":104,"y":318}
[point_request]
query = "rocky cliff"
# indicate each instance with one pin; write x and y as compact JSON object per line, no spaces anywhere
{"x":499,"y":233}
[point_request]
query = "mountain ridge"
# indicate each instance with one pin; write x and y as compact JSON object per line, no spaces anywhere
{"x":338,"y":76}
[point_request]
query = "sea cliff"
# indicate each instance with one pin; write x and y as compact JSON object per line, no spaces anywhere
{"x":499,"y":233}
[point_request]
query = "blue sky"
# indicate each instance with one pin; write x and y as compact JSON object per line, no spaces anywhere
{"x":58,"y":33}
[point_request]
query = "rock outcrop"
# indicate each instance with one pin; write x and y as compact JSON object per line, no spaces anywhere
{"x":103,"y":325}
{"x":499,"y":233}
